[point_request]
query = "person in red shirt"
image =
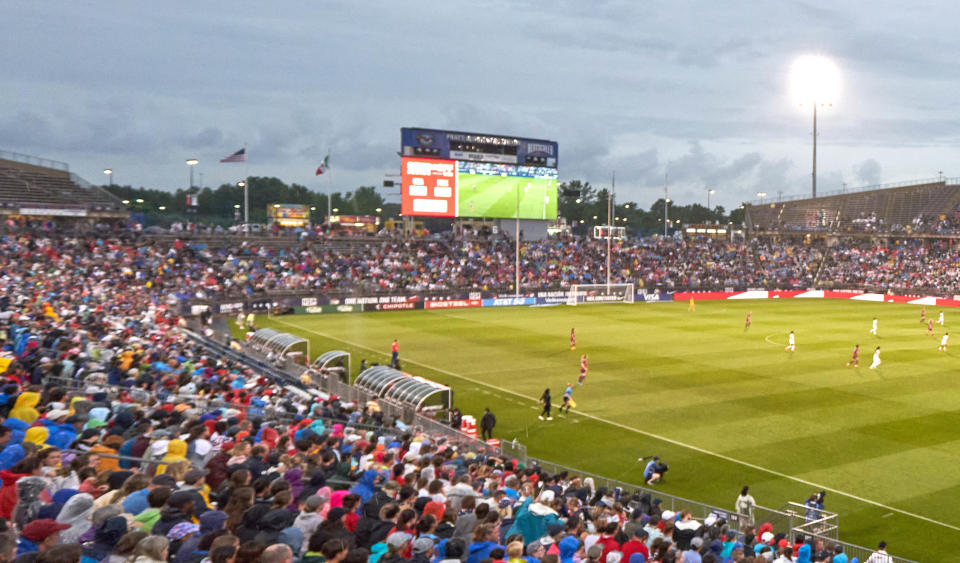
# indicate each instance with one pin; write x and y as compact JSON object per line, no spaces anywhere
{"x":394,"y":352}
{"x":637,"y":543}
{"x":608,"y":539}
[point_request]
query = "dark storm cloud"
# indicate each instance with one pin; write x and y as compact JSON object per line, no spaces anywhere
{"x":696,"y":90}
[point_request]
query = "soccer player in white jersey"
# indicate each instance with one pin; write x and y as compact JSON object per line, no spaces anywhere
{"x":791,"y":343}
{"x":940,"y":320}
{"x":873,"y":330}
{"x":943,"y":342}
{"x":876,"y":358}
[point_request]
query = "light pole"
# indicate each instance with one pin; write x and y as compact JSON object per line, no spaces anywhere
{"x":246,"y":211}
{"x":710,"y":192}
{"x":761,"y":195}
{"x":109,"y":173}
{"x":815,"y":80}
{"x":666,"y":214}
{"x":191,"y":162}
{"x":666,"y":204}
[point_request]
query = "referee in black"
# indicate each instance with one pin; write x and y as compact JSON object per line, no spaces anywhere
{"x":545,"y":401}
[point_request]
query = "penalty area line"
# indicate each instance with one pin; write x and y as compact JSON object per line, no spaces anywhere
{"x":643,"y":432}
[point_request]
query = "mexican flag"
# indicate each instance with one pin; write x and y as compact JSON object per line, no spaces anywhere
{"x":324,"y":166}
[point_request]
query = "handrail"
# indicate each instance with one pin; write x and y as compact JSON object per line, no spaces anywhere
{"x":34,"y":160}
{"x":872,"y":187}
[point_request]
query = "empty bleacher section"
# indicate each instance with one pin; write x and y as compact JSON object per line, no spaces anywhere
{"x":916,"y":208}
{"x":36,"y":187}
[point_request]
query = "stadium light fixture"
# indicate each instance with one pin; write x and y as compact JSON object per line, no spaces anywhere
{"x":379,"y":210}
{"x":814,"y":80}
{"x":191,"y":162}
{"x":336,"y":210}
{"x":236,"y":206}
{"x":594,"y":217}
{"x":139,"y":200}
{"x":125,"y":202}
{"x":627,"y":206}
{"x":109,"y":173}
{"x":710,"y":192}
{"x":241,"y":184}
{"x":162,"y":208}
{"x":579,"y":200}
{"x":761,"y":195}
{"x":276,"y":205}
{"x":313,"y":208}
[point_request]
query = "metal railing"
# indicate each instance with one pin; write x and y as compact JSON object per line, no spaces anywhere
{"x":846,"y":191}
{"x":34,"y":160}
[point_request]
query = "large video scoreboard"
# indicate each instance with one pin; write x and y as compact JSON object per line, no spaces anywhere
{"x":456,"y":174}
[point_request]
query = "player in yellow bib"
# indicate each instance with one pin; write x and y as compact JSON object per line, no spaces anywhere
{"x":693,"y":305}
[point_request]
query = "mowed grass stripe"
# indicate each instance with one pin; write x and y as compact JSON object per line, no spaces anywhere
{"x":537,"y":337}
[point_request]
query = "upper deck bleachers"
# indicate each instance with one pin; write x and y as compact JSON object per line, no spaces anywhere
{"x":900,"y":209}
{"x":23,"y":184}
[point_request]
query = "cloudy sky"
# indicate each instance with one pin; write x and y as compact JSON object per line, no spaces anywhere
{"x":699,"y":91}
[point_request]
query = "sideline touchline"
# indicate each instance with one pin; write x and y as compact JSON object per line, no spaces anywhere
{"x":638,"y":431}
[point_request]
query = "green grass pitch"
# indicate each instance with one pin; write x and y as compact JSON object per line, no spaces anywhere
{"x":701,"y":380}
{"x":481,"y":195}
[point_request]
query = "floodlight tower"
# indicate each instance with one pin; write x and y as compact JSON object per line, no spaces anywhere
{"x":815,"y":80}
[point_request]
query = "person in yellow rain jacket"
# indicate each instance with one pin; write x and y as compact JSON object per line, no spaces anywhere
{"x":48,"y":311}
{"x":24,"y":409}
{"x":37,"y":435}
{"x":176,"y":451}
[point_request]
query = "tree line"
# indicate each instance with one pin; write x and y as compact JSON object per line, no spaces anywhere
{"x":582,"y":205}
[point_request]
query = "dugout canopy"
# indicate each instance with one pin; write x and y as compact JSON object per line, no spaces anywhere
{"x":334,"y":361}
{"x":280,"y":343}
{"x":417,"y":392}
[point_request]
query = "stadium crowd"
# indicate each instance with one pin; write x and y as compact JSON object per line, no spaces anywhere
{"x":95,"y":365}
{"x":436,"y":265}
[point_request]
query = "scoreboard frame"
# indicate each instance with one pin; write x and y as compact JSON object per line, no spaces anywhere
{"x":478,"y":147}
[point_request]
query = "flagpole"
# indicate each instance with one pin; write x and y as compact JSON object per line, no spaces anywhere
{"x":246,"y":189}
{"x":326,"y":161}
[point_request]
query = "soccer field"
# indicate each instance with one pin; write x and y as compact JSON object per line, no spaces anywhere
{"x":724,"y":406}
{"x":481,"y":195}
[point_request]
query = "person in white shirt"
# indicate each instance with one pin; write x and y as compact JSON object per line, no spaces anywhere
{"x":876,"y":359}
{"x":791,"y":343}
{"x":873,"y":330}
{"x":943,"y":342}
{"x":880,"y":555}
{"x":940,"y":320}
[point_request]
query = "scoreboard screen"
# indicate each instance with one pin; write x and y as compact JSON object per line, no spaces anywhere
{"x":455,"y":188}
{"x":454,"y":174}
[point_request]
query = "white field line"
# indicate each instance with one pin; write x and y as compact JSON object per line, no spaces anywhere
{"x":642,"y":432}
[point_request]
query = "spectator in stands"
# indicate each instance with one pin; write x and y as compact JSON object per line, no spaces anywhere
{"x":39,"y":535}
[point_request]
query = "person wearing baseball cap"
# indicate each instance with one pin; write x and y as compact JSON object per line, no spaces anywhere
{"x":39,"y":535}
{"x":397,"y":543}
{"x":193,"y":483}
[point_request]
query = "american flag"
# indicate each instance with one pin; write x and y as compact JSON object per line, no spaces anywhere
{"x":239,"y":156}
